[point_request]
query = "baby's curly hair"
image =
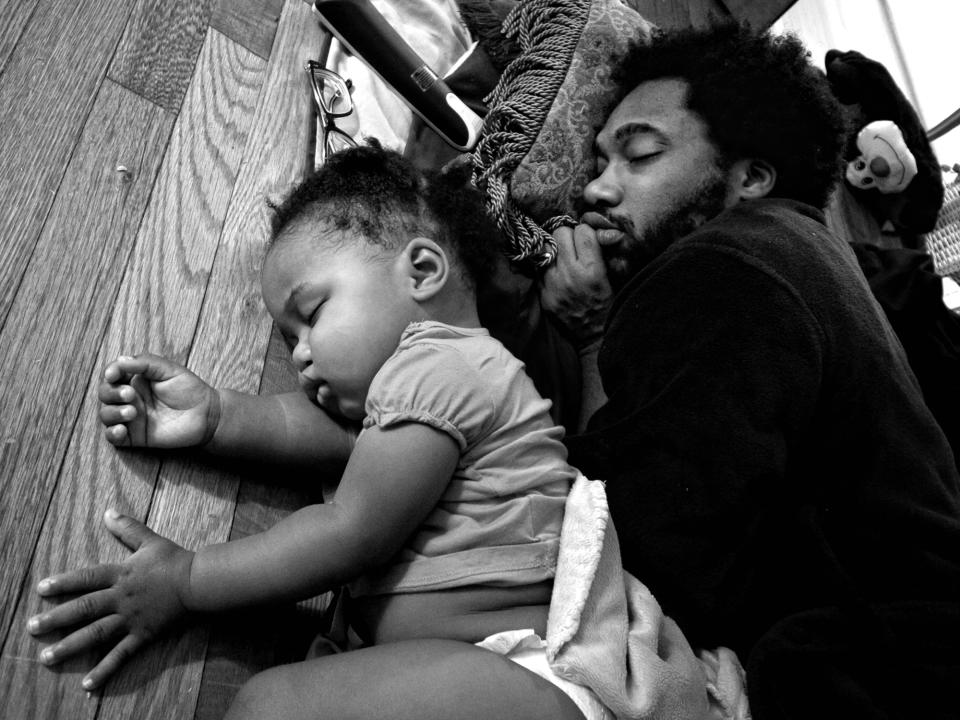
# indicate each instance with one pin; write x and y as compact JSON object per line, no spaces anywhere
{"x":760,"y":97}
{"x":379,"y":195}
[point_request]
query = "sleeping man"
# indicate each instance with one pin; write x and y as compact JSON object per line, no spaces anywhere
{"x":773,"y":472}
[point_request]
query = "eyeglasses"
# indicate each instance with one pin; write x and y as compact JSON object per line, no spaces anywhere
{"x":331,"y":94}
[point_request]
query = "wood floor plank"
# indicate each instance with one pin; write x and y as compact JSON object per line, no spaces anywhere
{"x":271,"y":636}
{"x":157,"y":308}
{"x":235,"y":330}
{"x":229,"y":349}
{"x":276,"y":158}
{"x":252,"y":23}
{"x":46,"y":91}
{"x":158,"y":52}
{"x":48,"y":350}
{"x":279,"y":374}
{"x":14,"y":16}
{"x":194,"y":501}
{"x":244,"y":643}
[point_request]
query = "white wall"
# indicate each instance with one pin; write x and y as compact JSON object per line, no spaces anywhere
{"x":928,"y":32}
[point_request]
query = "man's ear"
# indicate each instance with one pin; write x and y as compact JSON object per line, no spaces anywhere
{"x":751,"y":178}
{"x":425,"y":263}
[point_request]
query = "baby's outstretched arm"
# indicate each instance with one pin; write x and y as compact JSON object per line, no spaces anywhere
{"x":394,"y":479}
{"x":150,"y":401}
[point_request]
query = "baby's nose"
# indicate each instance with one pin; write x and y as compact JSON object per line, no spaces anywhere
{"x":300,"y":355}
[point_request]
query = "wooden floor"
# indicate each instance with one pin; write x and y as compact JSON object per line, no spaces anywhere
{"x":138,"y":143}
{"x":139,"y":140}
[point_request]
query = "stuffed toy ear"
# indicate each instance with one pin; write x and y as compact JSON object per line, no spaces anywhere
{"x":535,"y":153}
{"x":858,"y":80}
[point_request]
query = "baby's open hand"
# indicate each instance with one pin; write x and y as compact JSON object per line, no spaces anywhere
{"x":120,"y":607}
{"x":149,"y":401}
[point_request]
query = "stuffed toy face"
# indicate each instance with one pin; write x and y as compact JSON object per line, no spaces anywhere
{"x":885,"y":162}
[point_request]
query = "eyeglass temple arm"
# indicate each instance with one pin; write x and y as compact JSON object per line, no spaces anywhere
{"x":358,"y":25}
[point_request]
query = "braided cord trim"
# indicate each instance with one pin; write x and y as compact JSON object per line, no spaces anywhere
{"x":548,"y":32}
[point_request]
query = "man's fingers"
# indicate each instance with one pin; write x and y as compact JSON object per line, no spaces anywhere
{"x":585,"y":244}
{"x":577,"y":251}
{"x":100,"y":632}
{"x":566,"y":249}
{"x":118,"y":655}
{"x":130,"y":532}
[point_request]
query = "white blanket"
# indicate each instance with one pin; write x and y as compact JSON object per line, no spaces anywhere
{"x":606,"y":630}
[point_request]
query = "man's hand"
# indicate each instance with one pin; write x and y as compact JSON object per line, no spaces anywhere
{"x":149,"y":401}
{"x":121,"y":606}
{"x":574,"y":288}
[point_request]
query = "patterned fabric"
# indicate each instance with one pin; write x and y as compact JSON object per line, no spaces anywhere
{"x":536,"y":152}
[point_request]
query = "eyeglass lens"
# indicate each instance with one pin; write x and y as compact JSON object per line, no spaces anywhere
{"x":331,"y":91}
{"x":332,"y":95}
{"x":337,"y":140}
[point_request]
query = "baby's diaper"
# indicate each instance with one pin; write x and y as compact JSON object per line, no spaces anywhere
{"x":526,"y":648}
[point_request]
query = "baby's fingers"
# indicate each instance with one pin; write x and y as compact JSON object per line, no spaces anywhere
{"x":103,"y":631}
{"x":87,"y":579}
{"x":120,"y":370}
{"x":152,"y":367}
{"x":119,"y":405}
{"x":116,"y":393}
{"x":117,"y":414}
{"x":118,"y":435}
{"x":118,"y":655}
{"x":84,"y":609}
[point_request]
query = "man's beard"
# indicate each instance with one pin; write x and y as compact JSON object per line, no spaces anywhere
{"x":705,"y":202}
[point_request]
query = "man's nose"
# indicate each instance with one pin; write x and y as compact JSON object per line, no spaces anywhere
{"x":602,"y":191}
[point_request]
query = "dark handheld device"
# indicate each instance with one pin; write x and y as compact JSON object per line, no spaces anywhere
{"x":365,"y":33}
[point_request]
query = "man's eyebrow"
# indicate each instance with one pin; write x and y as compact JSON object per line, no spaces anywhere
{"x":624,"y":132}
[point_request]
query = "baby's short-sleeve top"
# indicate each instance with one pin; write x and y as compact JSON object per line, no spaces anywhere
{"x":498,"y":521}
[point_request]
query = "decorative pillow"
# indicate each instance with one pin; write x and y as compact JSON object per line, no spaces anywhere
{"x":535,"y":153}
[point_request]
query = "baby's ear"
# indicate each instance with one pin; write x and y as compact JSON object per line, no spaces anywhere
{"x":425,"y":263}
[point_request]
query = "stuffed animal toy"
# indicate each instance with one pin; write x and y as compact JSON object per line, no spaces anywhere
{"x":869,"y":93}
{"x":885,"y":162}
